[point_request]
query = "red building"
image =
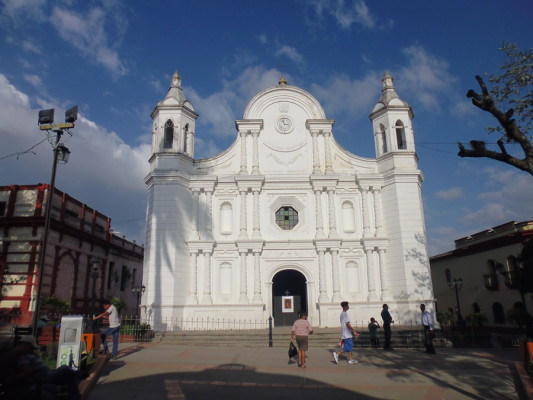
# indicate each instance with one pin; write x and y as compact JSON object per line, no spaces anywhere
{"x":81,"y":248}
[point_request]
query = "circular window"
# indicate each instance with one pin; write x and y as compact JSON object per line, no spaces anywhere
{"x":286,"y":218}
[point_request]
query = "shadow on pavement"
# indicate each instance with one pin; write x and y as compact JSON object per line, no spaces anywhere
{"x":226,"y":381}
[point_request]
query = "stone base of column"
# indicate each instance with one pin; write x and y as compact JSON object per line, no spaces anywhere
{"x":323,"y":298}
{"x":336,"y":297}
{"x":192,"y":299}
{"x":372,"y":296}
{"x":243,"y":299}
{"x":385,"y":295}
{"x":257,"y":299}
{"x":207,"y":299}
{"x":333,"y":234}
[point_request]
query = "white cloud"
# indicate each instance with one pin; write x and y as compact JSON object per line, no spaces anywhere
{"x":35,"y":80}
{"x":426,"y":77}
{"x":103,"y":171}
{"x":263,"y":39}
{"x":23,"y":9}
{"x":291,"y":53}
{"x":341,"y":94}
{"x":450,"y":194}
{"x":87,"y":33}
{"x":345,"y":12}
{"x":219,"y":110}
{"x":509,"y":199}
{"x":31,"y":47}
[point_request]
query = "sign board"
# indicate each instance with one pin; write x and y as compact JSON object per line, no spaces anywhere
{"x":70,"y":344}
{"x":287,"y":304}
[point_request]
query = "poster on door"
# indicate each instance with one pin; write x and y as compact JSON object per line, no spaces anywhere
{"x":287,"y":304}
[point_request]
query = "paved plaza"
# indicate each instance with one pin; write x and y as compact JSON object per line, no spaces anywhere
{"x":169,"y":371}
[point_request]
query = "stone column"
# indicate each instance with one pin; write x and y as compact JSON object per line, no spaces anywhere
{"x":322,"y":297}
{"x":327,"y":150}
{"x":366,"y":211}
{"x":257,"y":213}
{"x":370,"y":275}
{"x":193,"y":290}
{"x":257,"y":278}
{"x":255,"y":160}
{"x":243,"y":217}
{"x":316,"y":159}
{"x":243,"y":298}
{"x":195,"y":214}
{"x":209,"y":214}
{"x":318,"y":213}
{"x":335,"y":275}
{"x":377,"y":212}
{"x":244,"y":167}
{"x":332,"y":218}
{"x":383,"y":275}
{"x":207,"y":299}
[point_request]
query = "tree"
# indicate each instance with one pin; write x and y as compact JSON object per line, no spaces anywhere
{"x":511,"y":91}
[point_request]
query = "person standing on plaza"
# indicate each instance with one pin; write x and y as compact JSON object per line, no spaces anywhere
{"x":427,"y":322}
{"x":373,"y":327}
{"x":387,"y":321}
{"x":114,"y":327}
{"x":347,"y":333}
{"x":301,"y":329}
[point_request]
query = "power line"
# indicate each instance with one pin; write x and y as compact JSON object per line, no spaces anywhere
{"x":19,"y":153}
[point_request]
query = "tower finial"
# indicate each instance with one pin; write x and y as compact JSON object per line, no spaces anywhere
{"x":175,"y":81}
{"x":282,"y":81}
{"x":387,"y":81}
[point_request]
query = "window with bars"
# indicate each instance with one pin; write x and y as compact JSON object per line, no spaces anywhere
{"x":287,"y":218}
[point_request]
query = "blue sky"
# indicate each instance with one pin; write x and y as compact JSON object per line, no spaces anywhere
{"x":114,"y":60}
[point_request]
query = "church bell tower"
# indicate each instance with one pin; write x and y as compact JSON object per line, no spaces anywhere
{"x":174,"y":122}
{"x":392,"y":121}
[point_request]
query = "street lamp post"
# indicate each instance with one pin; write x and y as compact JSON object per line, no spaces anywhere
{"x":457,"y":284}
{"x":95,"y":266}
{"x":138,"y":290}
{"x":61,"y":155}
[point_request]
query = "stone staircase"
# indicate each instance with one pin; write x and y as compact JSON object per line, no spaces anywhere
{"x":321,"y":338}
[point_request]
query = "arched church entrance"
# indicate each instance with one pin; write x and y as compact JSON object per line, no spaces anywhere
{"x":289,"y":296}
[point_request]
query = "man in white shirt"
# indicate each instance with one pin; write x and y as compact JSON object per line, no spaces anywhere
{"x":427,"y":322}
{"x":346,"y":335}
{"x":114,"y":327}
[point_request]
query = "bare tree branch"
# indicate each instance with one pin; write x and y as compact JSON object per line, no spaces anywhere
{"x":512,"y":133}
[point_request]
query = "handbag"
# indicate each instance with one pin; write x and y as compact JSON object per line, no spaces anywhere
{"x":293,"y":351}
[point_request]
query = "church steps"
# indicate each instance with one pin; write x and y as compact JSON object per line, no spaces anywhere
{"x":321,"y":338}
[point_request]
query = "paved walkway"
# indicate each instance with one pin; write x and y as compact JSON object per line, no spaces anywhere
{"x":166,"y":371}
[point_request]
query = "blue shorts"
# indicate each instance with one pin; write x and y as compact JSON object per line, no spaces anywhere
{"x":348,"y":345}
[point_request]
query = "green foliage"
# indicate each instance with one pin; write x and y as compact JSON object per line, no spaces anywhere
{"x":119,"y":304}
{"x":55,"y":305}
{"x":518,"y":316}
{"x":513,"y":88}
{"x":476,"y":320}
{"x":137,"y":330}
{"x":445,"y":317}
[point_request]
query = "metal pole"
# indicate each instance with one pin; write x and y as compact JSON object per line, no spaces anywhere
{"x":459,"y":316}
{"x":42,"y":252}
{"x":270,"y":331}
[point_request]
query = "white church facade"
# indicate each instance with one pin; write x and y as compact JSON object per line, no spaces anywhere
{"x":285,"y":218}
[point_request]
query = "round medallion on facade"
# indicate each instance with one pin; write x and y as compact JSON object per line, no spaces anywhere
{"x":284,"y":124}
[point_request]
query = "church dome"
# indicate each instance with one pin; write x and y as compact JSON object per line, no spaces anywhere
{"x":284,"y":96}
{"x":389,"y":97}
{"x":175,"y":95}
